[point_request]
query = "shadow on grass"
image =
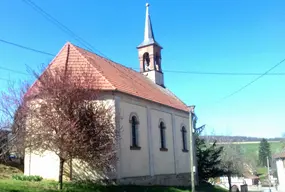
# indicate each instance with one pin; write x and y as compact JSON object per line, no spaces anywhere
{"x":50,"y":186}
{"x":204,"y":187}
{"x":122,"y":188}
{"x":13,"y":164}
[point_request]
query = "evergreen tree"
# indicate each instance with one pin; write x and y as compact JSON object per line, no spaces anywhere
{"x":208,"y":158}
{"x":264,"y":152}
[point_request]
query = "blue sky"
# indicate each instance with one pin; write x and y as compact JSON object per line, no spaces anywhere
{"x":205,"y":36}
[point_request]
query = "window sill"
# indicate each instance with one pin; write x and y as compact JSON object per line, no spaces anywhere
{"x":135,"y":148}
{"x":185,"y":150}
{"x":163,"y":149}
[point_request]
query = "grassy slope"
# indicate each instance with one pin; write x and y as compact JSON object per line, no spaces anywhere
{"x":9,"y":185}
{"x":7,"y":171}
{"x":250,"y":149}
{"x":17,"y":186}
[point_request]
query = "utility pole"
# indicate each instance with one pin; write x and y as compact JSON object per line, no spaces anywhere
{"x":191,"y":124}
{"x":268,"y":172}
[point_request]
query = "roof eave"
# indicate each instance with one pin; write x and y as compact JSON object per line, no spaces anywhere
{"x":118,"y":91}
{"x":145,"y":44}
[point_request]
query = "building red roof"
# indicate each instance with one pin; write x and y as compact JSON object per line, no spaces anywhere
{"x":111,"y":76}
{"x":279,"y":155}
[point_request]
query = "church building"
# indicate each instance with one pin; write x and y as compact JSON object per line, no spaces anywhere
{"x":155,"y":139}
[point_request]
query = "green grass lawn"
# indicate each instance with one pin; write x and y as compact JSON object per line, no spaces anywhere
{"x":262,"y":170}
{"x":10,"y":185}
{"x":250,"y":152}
{"x":251,"y":149}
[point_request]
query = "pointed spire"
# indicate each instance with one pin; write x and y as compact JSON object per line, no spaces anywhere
{"x":148,"y":31}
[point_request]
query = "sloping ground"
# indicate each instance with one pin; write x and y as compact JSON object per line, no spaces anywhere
{"x":6,"y":172}
{"x":206,"y":187}
{"x":250,"y":149}
{"x":47,"y":186}
{"x":9,"y":185}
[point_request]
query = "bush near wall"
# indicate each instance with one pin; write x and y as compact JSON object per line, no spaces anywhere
{"x":27,"y":178}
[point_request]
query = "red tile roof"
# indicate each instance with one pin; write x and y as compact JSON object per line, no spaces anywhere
{"x":111,"y":76}
{"x":279,"y":155}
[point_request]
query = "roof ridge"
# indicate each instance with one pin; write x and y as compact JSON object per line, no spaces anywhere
{"x":175,"y":96}
{"x":48,"y":66}
{"x":87,"y":60}
{"x":105,"y":58}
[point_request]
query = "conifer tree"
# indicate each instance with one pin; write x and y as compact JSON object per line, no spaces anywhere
{"x":264,"y":152}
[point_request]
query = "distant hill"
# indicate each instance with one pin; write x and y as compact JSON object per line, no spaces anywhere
{"x":249,"y":146}
{"x":212,"y":138}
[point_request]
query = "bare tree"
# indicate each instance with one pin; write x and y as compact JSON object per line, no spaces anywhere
{"x":63,"y":113}
{"x":11,"y":119}
{"x":232,"y":162}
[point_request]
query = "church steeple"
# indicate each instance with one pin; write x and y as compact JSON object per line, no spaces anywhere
{"x":148,"y":31}
{"x":150,"y":53}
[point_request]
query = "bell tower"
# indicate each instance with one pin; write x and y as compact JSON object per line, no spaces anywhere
{"x":150,"y":54}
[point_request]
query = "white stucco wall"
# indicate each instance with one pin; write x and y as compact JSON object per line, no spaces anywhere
{"x":280,"y":173}
{"x":163,"y":160}
{"x":133,"y":162}
{"x":248,"y":181}
{"x":47,"y":164}
{"x":149,"y":160}
{"x":183,"y":159}
{"x":238,"y":181}
{"x":155,"y":76}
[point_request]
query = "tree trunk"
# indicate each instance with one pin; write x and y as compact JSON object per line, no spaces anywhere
{"x":61,"y":163}
{"x":230,"y":182}
{"x":70,"y":169}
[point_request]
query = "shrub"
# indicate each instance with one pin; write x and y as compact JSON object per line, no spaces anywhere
{"x":27,"y":178}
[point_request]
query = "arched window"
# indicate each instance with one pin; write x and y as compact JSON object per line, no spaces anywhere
{"x":184,"y":139}
{"x":146,"y":61}
{"x":157,"y":62}
{"x":162,"y":136}
{"x":134,"y":132}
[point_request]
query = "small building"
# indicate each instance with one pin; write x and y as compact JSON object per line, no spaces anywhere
{"x":247,"y":178}
{"x":154,"y":146}
{"x":279,"y":158}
